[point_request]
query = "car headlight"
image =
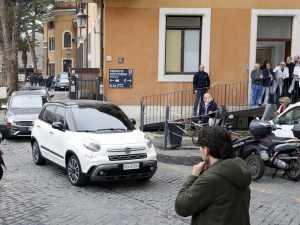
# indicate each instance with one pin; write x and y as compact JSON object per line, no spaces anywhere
{"x":91,"y":145}
{"x":148,"y":141}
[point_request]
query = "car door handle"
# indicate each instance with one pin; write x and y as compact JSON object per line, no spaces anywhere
{"x":51,"y":132}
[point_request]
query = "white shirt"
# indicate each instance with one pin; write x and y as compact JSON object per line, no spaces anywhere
{"x":280,"y":73}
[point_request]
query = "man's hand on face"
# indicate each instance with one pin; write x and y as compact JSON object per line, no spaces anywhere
{"x":197,"y":169}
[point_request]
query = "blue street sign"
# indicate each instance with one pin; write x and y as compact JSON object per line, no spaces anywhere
{"x":120,"y":78}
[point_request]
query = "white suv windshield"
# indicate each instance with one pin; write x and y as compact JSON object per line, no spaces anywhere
{"x":93,"y":119}
{"x":27,"y":102}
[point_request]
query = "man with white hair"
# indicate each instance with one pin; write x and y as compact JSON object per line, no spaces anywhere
{"x":256,"y":84}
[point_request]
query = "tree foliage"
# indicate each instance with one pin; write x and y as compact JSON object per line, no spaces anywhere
{"x":19,"y":17}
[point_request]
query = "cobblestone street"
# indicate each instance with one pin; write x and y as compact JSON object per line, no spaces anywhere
{"x":33,"y":194}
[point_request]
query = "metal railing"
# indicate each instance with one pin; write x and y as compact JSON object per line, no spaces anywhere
{"x":235,"y":96}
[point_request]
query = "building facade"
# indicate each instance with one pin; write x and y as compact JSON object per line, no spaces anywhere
{"x":59,"y":42}
{"x":162,"y":43}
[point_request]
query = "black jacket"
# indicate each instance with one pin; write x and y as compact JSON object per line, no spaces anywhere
{"x":291,"y":67}
{"x":201,"y":80}
{"x":212,"y":106}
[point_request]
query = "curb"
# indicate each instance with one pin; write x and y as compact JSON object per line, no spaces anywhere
{"x":178,"y":160}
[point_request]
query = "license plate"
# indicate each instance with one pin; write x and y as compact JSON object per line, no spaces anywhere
{"x":132,"y":166}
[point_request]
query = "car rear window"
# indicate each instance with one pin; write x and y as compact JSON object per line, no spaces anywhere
{"x":28,"y":101}
{"x":96,"y":119}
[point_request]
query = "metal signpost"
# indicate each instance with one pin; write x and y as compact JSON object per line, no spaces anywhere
{"x":120,"y":78}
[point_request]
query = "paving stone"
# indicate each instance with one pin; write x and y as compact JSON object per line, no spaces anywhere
{"x":43,"y":195}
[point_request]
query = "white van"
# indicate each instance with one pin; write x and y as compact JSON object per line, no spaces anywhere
{"x":285,"y":121}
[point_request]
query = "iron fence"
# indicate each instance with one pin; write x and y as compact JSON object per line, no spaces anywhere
{"x":235,"y":96}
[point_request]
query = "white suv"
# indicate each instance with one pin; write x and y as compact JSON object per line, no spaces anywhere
{"x":93,"y":140}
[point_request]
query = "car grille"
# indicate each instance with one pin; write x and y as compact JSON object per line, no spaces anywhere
{"x":127,"y":157}
{"x":24,"y":123}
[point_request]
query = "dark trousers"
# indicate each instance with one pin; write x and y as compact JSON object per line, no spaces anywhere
{"x":295,"y":96}
{"x":199,"y":95}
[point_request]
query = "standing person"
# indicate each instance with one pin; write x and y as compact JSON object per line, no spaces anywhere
{"x":281,"y":73}
{"x":35,"y":80}
{"x":291,"y":65}
{"x":265,"y":65}
{"x":268,"y":75}
{"x":256,"y":84}
{"x":218,"y":190}
{"x":201,"y":84}
{"x":31,"y":80}
{"x":294,"y":87}
{"x":41,"y":80}
{"x":207,"y":108}
{"x":48,"y":82}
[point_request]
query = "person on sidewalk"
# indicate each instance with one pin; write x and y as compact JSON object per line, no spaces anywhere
{"x":201,"y":84}
{"x":291,"y":65}
{"x":218,"y":190}
{"x":294,"y":87}
{"x":281,"y":73}
{"x":268,"y":75}
{"x":207,"y":109}
{"x":48,"y":82}
{"x":256,"y":84}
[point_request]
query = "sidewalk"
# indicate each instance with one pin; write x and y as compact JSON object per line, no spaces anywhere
{"x":188,"y":154}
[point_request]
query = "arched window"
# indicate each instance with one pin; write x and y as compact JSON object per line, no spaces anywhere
{"x":67,"y":40}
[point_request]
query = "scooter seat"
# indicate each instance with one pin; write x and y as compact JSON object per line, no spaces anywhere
{"x":236,"y":140}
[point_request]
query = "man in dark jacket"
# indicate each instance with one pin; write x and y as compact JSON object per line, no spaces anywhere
{"x":201,"y":84}
{"x":49,"y":83}
{"x":218,"y":190}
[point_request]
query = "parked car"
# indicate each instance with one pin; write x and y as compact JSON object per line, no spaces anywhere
{"x":61,"y":84}
{"x":285,"y":121}
{"x":92,"y":140}
{"x":37,"y":89}
{"x":22,"y":109}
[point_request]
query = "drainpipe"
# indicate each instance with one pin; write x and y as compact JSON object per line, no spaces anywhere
{"x":87,"y":38}
{"x":101,"y":46}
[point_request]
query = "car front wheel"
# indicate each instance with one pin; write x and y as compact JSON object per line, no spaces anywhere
{"x":38,"y":159}
{"x":76,"y":177}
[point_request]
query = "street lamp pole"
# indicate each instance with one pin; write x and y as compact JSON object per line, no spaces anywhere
{"x":81,"y":20}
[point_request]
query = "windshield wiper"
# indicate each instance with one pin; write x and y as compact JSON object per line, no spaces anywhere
{"x":87,"y":131}
{"x":111,"y":129}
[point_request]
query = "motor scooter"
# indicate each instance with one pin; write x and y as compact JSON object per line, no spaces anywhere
{"x":264,"y":149}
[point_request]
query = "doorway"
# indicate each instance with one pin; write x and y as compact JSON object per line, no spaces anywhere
{"x":274,"y":36}
{"x":67,"y":63}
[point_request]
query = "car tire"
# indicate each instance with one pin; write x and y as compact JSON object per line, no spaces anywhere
{"x":76,"y":177}
{"x":293,"y":173}
{"x":256,"y":165}
{"x":1,"y":172}
{"x":37,"y":157}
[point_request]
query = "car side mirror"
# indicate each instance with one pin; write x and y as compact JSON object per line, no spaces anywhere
{"x":133,"y":121}
{"x":51,"y":96}
{"x":57,"y":126}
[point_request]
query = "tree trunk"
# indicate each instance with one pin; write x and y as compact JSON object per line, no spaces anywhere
{"x":32,"y":51}
{"x":11,"y":38}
